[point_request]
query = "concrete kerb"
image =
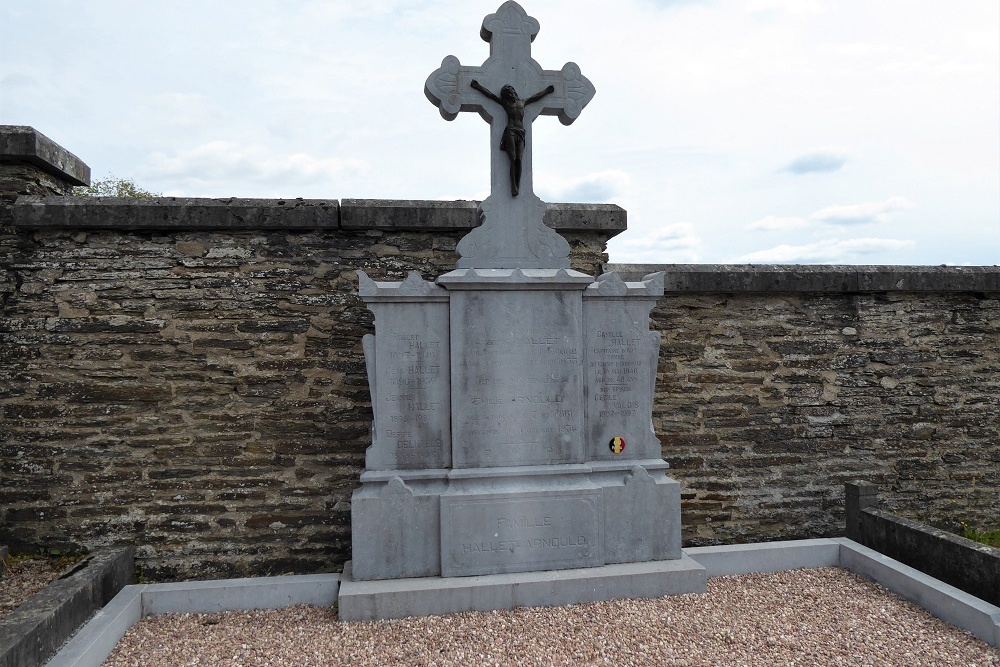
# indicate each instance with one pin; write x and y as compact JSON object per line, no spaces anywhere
{"x":95,"y":641}
{"x":34,"y":630}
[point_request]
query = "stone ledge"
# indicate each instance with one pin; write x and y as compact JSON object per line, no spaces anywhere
{"x":174,"y":213}
{"x":26,"y":145}
{"x":462,"y":215}
{"x":399,"y":598}
{"x":742,"y":278}
{"x":38,"y":627}
{"x":46,"y":212}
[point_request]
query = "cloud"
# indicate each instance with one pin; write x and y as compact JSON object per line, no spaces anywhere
{"x":813,"y":163}
{"x":218,"y":163}
{"x":598,"y":187}
{"x":790,"y":7}
{"x":829,"y":251}
{"x":773,"y":223}
{"x":852,"y":215}
{"x":671,"y":243}
{"x":861,"y":214}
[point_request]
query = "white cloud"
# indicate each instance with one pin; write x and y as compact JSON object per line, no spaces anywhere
{"x":860,"y":214}
{"x":676,"y":243}
{"x":773,"y":223}
{"x":829,"y":251}
{"x":792,"y":7}
{"x":812,"y":163}
{"x":853,"y":214}
{"x":217,"y":163}
{"x":596,"y":187}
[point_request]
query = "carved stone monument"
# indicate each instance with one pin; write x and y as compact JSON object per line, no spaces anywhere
{"x":512,"y":397}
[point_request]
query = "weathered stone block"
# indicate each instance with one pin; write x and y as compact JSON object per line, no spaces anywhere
{"x":521,"y":519}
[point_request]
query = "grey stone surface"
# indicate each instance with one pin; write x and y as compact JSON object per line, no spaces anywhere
{"x":519,"y":519}
{"x":396,"y":527}
{"x":512,"y":234}
{"x":733,"y":559}
{"x":940,"y":599}
{"x":517,"y":385}
{"x":399,"y":598}
{"x":24,"y":144}
{"x":91,"y":646}
{"x":858,"y":495}
{"x":95,"y":641}
{"x":37,"y":211}
{"x":776,"y":278}
{"x":423,"y":215}
{"x":519,"y":486}
{"x":642,"y":510}
{"x":963,"y":563}
{"x":620,"y":359}
{"x":505,"y":485}
{"x":409,"y":374}
{"x":3,"y":561}
{"x":36,"y":629}
{"x":204,"y":597}
{"x":175,"y":213}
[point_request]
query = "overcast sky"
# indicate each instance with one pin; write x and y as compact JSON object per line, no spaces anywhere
{"x":761,"y":131}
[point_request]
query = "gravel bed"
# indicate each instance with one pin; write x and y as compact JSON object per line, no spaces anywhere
{"x":824,"y":616}
{"x":24,"y":579}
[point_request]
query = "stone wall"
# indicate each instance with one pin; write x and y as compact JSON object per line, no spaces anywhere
{"x":778,"y":384}
{"x":187,"y":375}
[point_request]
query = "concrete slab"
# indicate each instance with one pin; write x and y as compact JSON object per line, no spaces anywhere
{"x":940,"y":599}
{"x":398,"y":598}
{"x":231,"y":594}
{"x":92,"y":645}
{"x":24,"y":144}
{"x":766,"y":557}
{"x":35,"y":630}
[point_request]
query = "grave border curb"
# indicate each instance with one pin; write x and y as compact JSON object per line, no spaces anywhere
{"x":95,"y":641}
{"x":36,"y":629}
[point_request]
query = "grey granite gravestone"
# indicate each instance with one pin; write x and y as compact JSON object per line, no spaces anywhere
{"x":512,"y":397}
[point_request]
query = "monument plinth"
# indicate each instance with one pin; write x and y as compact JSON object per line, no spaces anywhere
{"x":512,"y":397}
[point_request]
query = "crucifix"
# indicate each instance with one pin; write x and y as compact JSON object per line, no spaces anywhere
{"x":509,"y":90}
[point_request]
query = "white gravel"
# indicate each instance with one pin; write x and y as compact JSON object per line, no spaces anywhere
{"x":811,"y":617}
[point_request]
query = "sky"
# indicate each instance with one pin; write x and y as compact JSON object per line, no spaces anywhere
{"x":732,"y":131}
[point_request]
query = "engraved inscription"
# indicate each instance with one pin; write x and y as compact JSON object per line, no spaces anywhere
{"x":517,"y":386}
{"x":510,"y":534}
{"x":616,"y":373}
{"x":414,"y":365}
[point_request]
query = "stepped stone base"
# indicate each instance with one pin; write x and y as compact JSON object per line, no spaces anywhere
{"x":398,"y":598}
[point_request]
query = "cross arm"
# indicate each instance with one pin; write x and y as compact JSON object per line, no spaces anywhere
{"x":573,"y":91}
{"x":449,"y":88}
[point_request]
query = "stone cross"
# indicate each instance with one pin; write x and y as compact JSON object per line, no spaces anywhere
{"x":513,"y":234}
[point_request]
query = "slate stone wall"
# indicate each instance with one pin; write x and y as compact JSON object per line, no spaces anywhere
{"x":777,"y":385}
{"x":187,"y":376}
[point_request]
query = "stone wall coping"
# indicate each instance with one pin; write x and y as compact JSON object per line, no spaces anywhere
{"x":25,"y":144}
{"x":830,"y":279}
{"x":37,"y":212}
